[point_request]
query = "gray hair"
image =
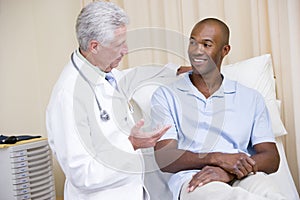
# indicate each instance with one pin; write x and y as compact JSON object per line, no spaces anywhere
{"x":98,"y":21}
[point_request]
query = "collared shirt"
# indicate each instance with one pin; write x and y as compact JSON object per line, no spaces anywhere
{"x":108,"y":76}
{"x":231,"y":120}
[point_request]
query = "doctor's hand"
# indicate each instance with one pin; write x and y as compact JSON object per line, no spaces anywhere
{"x":140,"y":139}
{"x":183,"y":69}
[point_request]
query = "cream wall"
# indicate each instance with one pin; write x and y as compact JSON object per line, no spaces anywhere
{"x":36,"y":38}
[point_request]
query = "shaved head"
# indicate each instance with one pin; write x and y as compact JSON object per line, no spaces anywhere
{"x":213,"y":21}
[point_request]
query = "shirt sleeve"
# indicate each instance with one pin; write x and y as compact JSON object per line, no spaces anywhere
{"x":148,"y":75}
{"x":262,"y":127}
{"x":162,"y":113}
{"x":173,"y":67}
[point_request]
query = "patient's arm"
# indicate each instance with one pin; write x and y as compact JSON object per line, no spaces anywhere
{"x":266,"y":157}
{"x":171,"y":159}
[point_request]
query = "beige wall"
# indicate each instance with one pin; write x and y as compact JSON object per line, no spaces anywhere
{"x":36,"y":38}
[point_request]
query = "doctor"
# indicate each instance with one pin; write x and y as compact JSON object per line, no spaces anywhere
{"x":89,"y":125}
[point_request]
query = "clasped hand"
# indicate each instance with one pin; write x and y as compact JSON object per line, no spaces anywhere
{"x":226,"y":168}
{"x":207,"y":175}
{"x":239,"y":164}
{"x":140,"y":139}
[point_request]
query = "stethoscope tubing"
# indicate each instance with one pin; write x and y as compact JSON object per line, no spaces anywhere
{"x":104,"y":116}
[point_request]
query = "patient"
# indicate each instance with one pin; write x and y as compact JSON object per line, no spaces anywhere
{"x":221,"y":144}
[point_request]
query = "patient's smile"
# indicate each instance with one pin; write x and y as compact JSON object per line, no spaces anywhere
{"x":199,"y":60}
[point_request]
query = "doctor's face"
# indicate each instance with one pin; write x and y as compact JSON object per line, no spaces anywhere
{"x":109,"y":56}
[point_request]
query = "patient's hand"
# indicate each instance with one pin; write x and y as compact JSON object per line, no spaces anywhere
{"x":207,"y":175}
{"x":239,"y":164}
{"x":140,"y":139}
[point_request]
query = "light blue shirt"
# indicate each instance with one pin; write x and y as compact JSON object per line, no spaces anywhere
{"x":231,"y":120}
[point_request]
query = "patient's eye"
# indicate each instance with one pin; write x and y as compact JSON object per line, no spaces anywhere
{"x":207,"y":44}
{"x":193,"y":42}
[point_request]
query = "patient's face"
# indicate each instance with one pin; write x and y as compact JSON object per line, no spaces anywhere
{"x":205,"y":48}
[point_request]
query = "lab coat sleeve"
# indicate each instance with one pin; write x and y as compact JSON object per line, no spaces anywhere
{"x":78,"y":164}
{"x":136,"y":78}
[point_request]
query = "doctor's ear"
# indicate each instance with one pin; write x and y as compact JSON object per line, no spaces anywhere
{"x":94,"y":46}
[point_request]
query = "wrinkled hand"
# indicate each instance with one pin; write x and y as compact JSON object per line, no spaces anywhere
{"x":239,"y":164}
{"x":140,"y":139}
{"x":207,"y":175}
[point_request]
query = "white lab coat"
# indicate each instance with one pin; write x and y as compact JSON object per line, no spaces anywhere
{"x":96,"y":156}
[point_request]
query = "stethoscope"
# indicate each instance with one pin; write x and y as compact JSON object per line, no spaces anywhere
{"x":104,"y":116}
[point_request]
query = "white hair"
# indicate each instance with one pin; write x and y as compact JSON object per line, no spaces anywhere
{"x":98,"y":21}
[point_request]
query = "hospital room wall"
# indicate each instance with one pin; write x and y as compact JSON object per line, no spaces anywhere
{"x":36,"y":38}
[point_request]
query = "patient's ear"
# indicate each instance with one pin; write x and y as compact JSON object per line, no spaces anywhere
{"x":225,"y":50}
{"x":183,"y":69}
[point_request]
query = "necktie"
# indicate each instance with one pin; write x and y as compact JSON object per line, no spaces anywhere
{"x":112,"y":81}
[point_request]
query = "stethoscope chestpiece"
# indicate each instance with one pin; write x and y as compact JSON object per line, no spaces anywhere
{"x":104,"y":115}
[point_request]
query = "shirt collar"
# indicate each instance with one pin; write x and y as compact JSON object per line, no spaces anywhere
{"x":84,"y":60}
{"x":227,"y":87}
{"x":85,"y":68}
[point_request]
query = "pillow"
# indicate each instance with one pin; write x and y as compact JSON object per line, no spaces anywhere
{"x":257,"y":73}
